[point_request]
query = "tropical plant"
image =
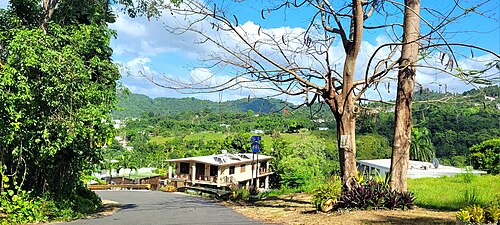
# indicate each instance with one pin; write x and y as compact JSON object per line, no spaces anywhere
{"x":110,"y":165}
{"x":421,"y":147}
{"x":470,"y":197}
{"x":126,"y":162}
{"x":168,"y":188}
{"x":325,"y":196}
{"x":475,"y":214}
{"x":492,"y":213}
{"x":374,"y":195}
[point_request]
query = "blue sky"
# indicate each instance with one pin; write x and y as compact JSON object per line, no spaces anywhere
{"x":145,"y":46}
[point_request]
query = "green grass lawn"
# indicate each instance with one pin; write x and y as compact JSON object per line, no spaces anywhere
{"x":447,"y":193}
{"x":205,"y":136}
{"x":160,"y":139}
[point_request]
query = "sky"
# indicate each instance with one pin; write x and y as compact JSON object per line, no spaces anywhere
{"x":145,"y":46}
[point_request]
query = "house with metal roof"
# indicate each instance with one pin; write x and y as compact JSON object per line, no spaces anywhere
{"x":221,"y":170}
{"x":416,"y":169}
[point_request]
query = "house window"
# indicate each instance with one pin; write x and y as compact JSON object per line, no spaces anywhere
{"x":184,"y":168}
{"x":231,"y":170}
{"x":242,"y":168}
{"x":213,"y":170}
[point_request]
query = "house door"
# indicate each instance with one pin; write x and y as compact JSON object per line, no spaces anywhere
{"x":200,"y":171}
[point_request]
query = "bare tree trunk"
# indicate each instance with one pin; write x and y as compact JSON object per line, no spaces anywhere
{"x":1,"y":168}
{"x":48,"y":9}
{"x":342,"y":105}
{"x":404,"y":98}
{"x":347,"y":145}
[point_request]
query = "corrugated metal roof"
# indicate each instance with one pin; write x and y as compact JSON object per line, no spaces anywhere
{"x":418,"y":169}
{"x":222,"y":159}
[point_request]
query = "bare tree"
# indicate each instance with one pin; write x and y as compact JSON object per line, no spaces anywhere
{"x":406,"y":82}
{"x":306,"y":61}
{"x":413,"y":44}
{"x":292,"y":62}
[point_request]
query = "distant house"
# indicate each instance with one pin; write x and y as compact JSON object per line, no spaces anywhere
{"x":154,"y":181}
{"x":490,"y":98}
{"x":319,"y":120}
{"x":221,"y":170}
{"x":257,"y":131}
{"x":416,"y":169}
{"x":118,"y":180}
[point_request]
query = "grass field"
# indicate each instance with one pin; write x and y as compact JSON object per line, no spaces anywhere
{"x":326,"y":137}
{"x":160,"y":139}
{"x":205,"y":136}
{"x":448,"y":193}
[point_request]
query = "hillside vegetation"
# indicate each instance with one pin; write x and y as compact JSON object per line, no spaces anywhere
{"x":302,"y":141}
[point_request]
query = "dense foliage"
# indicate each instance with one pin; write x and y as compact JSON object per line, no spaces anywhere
{"x":445,"y":129}
{"x":486,"y":156}
{"x":57,"y":89}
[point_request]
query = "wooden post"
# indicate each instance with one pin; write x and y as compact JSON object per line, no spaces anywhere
{"x":218,"y":176}
{"x":193,"y":173}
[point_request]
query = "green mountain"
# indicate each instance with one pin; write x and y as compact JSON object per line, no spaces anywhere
{"x":136,"y":105}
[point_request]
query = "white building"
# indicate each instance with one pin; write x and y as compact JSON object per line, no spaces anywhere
{"x":221,"y":170}
{"x":416,"y":169}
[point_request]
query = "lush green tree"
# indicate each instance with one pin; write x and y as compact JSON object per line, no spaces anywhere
{"x":57,"y":89}
{"x":127,"y":161}
{"x":110,"y":165}
{"x":373,"y":146}
{"x":421,"y":147}
{"x":486,"y":156}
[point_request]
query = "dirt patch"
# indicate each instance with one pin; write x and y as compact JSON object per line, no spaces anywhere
{"x":108,"y":208}
{"x":297,"y":209}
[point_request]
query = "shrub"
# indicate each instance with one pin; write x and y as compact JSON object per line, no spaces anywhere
{"x":374,"y":195}
{"x":325,"y":196}
{"x":468,"y":176}
{"x":20,"y":208}
{"x":240,"y":194}
{"x":486,"y":156}
{"x":475,"y":214}
{"x":17,"y":206}
{"x":168,"y":188}
{"x":492,"y":213}
{"x":470,"y":197}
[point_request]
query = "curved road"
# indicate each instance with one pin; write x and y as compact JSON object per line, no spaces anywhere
{"x":154,"y":208}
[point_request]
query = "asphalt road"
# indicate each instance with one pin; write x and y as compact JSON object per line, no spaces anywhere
{"x":153,"y":207}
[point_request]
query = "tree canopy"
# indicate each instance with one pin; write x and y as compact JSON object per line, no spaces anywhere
{"x":57,"y":89}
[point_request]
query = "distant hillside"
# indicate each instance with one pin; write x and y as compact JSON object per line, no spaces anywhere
{"x":136,"y":105}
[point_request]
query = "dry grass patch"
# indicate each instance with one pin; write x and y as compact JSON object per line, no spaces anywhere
{"x":297,"y":209}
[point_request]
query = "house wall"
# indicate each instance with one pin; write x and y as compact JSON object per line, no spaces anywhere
{"x":238,"y":175}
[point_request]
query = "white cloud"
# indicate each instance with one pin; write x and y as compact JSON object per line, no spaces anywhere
{"x":147,"y":46}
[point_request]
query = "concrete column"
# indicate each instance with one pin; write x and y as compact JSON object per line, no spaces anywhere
{"x":266,"y":184}
{"x":218,"y":176}
{"x":258,"y":182}
{"x":193,"y":173}
{"x":169,"y":172}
